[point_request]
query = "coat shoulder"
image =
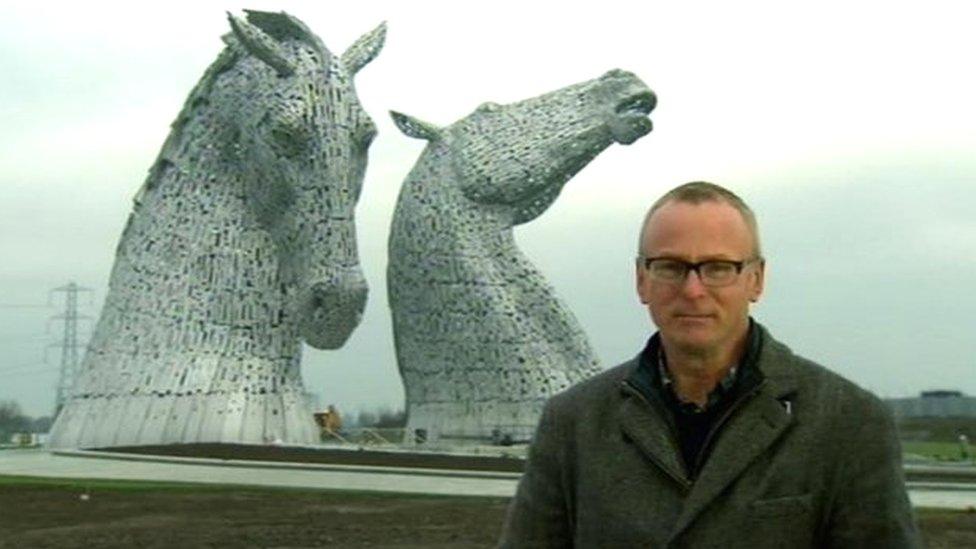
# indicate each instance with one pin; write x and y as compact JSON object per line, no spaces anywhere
{"x":591,"y":392}
{"x":833,"y":391}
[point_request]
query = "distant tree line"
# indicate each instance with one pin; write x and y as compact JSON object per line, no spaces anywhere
{"x":13,"y":420}
{"x":384,"y":418}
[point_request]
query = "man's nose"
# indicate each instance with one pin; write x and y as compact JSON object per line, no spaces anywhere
{"x":692,"y":285}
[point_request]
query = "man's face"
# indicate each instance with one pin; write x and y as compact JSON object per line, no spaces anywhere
{"x":695,"y":318}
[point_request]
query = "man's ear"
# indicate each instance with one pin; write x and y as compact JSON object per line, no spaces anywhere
{"x":640,"y":277}
{"x":758,"y":281}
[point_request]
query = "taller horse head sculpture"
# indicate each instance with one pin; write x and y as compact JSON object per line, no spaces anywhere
{"x":241,"y":245}
{"x":481,"y":338}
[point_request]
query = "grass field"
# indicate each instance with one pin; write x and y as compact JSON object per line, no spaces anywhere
{"x":38,"y":512}
{"x":942,"y":451}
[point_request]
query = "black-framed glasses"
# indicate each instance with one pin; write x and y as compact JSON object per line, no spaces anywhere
{"x":714,"y":272}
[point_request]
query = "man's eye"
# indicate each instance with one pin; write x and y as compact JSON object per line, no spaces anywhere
{"x":718,"y":269}
{"x":669,"y":269}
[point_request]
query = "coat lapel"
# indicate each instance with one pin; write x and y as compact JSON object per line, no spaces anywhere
{"x":753,"y":428}
{"x":652,"y":435}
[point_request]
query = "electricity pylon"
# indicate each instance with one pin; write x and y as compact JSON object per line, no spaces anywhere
{"x":69,"y":342}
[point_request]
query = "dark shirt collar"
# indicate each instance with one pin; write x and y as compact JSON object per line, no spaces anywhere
{"x":721,"y":390}
{"x":654,"y":380}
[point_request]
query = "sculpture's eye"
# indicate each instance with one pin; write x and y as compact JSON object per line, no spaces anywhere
{"x":288,"y":131}
{"x":289,"y":139}
{"x":367,"y":133}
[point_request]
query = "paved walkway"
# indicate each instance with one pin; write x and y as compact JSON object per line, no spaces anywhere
{"x":101,"y":465}
{"x":336,"y":477}
{"x":942,"y":495}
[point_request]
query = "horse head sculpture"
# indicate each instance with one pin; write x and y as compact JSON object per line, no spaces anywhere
{"x":520,"y":155}
{"x":482,"y":341}
{"x":241,"y":244}
{"x":300,"y":141}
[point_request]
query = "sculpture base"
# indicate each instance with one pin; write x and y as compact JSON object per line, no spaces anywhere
{"x":503,"y":423}
{"x":141,"y":420}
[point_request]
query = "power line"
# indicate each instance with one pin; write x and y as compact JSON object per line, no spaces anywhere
{"x":7,"y":374}
{"x":28,"y":338}
{"x":22,"y":306}
{"x":22,"y":367}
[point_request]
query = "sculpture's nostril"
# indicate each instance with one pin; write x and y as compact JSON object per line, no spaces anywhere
{"x":343,"y":295}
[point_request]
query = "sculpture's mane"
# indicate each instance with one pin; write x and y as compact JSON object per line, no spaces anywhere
{"x":279,"y":26}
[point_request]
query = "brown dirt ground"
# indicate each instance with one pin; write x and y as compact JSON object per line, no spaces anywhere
{"x":248,"y":452}
{"x":51,"y":513}
{"x":506,"y":461}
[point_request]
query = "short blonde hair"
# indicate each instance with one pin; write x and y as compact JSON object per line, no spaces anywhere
{"x":697,"y":192}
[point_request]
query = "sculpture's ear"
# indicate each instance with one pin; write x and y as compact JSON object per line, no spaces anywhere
{"x":414,"y":127}
{"x":261,"y":45}
{"x":364,"y":49}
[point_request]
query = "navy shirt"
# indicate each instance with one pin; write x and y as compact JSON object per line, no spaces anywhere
{"x":695,"y":427}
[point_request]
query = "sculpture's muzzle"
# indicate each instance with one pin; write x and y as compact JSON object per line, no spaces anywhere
{"x":633,"y":102}
{"x":329,"y":311}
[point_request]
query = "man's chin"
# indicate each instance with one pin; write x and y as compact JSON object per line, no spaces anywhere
{"x":692,"y":341}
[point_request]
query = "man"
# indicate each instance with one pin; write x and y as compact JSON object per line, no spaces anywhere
{"x":716,"y":434}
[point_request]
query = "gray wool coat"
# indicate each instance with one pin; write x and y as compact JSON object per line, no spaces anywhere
{"x":810,"y":460}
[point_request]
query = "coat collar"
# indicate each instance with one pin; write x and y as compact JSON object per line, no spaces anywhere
{"x":753,"y":424}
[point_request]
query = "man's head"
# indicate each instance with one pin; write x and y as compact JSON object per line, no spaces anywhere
{"x":704,"y":310}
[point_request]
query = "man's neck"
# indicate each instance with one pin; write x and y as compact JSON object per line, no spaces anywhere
{"x":695,"y":373}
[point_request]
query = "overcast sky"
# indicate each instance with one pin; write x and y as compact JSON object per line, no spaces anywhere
{"x":849,"y":127}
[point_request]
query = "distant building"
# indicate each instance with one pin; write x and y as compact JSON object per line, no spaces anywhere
{"x":934,"y":404}
{"x":28,"y":439}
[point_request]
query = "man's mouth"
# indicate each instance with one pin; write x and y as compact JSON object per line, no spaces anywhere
{"x":694,"y":316}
